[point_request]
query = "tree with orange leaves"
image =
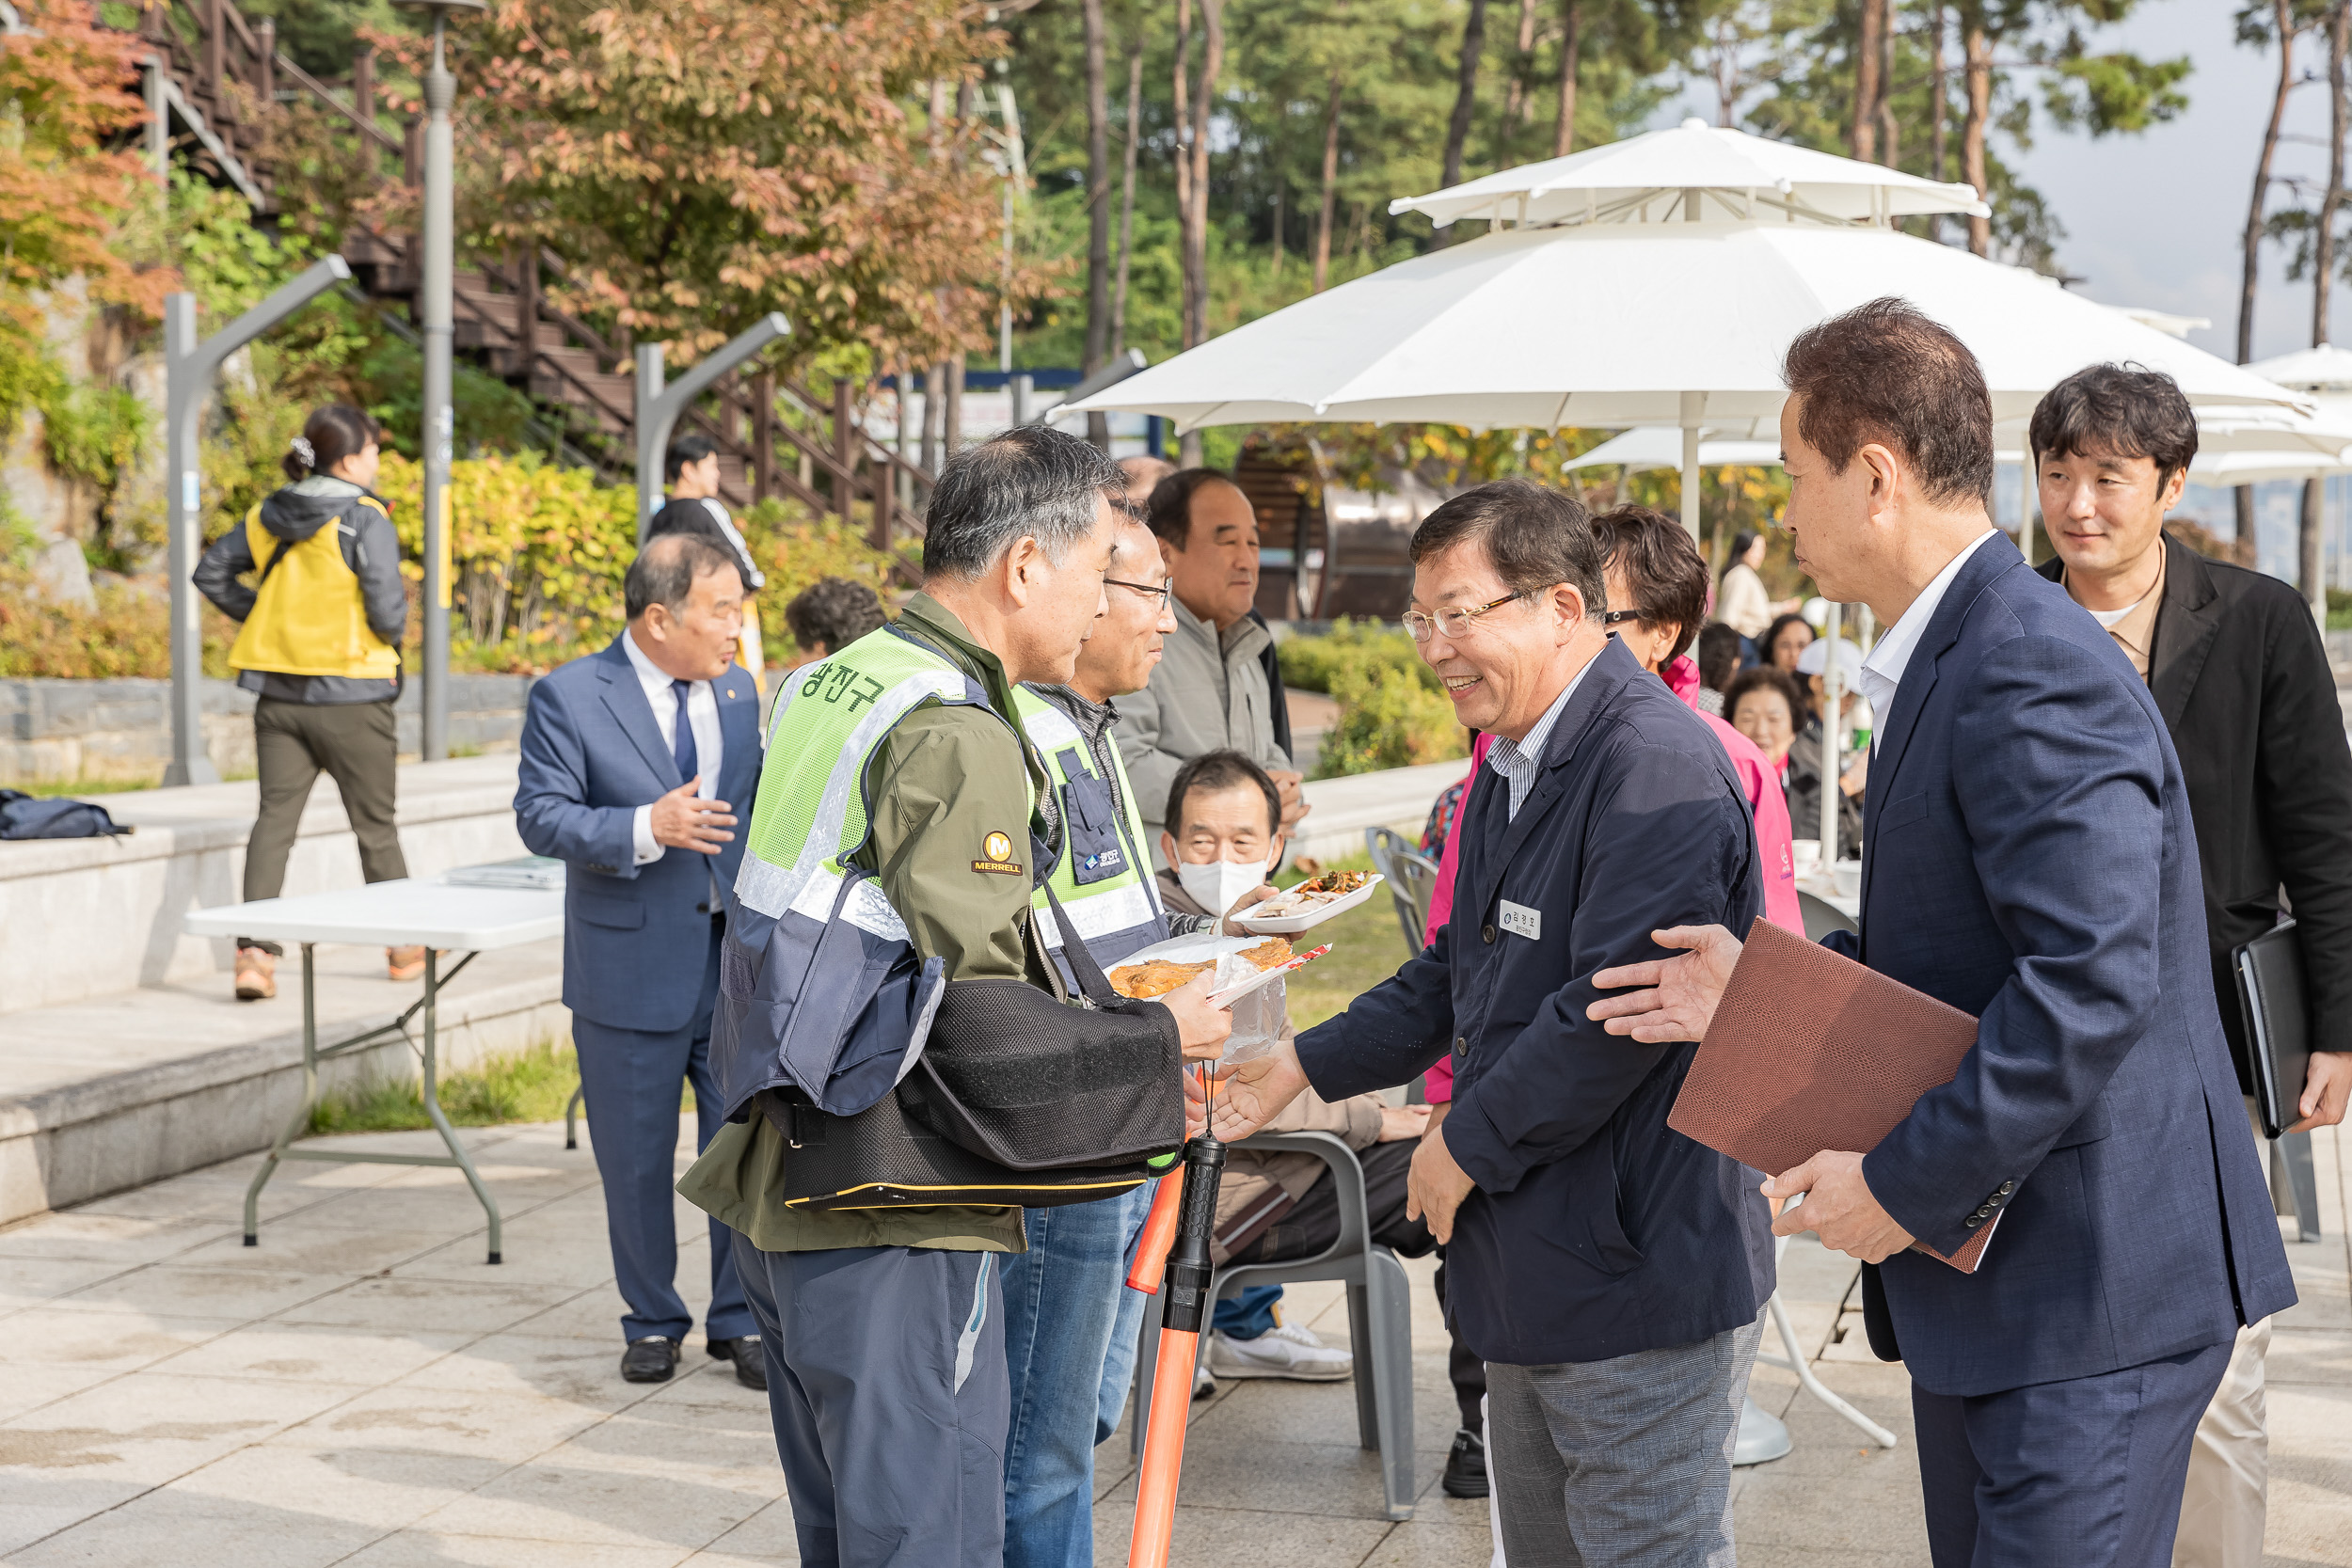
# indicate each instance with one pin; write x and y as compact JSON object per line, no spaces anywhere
{"x":698,"y":163}
{"x":65,"y":98}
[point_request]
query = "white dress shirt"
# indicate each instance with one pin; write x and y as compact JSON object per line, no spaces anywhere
{"x":702,"y":715}
{"x":1883,"y":672}
{"x":1519,"y":761}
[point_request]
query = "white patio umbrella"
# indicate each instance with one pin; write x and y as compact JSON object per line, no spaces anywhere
{"x":1660,"y":447}
{"x":1663,"y":304}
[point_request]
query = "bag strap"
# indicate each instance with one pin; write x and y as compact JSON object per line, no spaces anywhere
{"x":275,"y":557}
{"x":1091,"y":977}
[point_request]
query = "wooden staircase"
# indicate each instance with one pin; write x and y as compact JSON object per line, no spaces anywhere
{"x":221,"y":75}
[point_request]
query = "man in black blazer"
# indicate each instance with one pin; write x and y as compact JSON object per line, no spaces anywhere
{"x":2028,"y":859}
{"x":2237,"y":669}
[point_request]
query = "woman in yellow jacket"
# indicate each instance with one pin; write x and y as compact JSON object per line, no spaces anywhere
{"x":320,"y":648}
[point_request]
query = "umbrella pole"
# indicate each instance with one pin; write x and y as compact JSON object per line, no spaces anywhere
{"x":1188,"y":1299}
{"x":1693,"y":403}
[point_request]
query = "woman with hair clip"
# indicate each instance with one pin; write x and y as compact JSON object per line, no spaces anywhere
{"x":320,"y":647}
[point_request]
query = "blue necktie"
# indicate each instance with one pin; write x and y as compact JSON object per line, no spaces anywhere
{"x":688,"y":762}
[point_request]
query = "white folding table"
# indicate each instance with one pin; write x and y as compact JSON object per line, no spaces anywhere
{"x":441,"y":917}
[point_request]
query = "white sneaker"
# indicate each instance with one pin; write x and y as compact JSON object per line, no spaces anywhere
{"x":1202,"y":1383}
{"x":1287,"y":1350}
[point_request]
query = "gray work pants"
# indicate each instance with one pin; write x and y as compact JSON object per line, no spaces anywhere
{"x":1619,"y":1464}
{"x":887,"y":1386}
{"x":294,"y":743}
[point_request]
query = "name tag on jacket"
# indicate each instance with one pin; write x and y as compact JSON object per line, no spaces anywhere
{"x":1519,"y":919}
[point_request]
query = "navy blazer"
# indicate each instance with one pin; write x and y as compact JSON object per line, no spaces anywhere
{"x":636,"y":938}
{"x":2028,"y":858}
{"x":1595,"y":1232}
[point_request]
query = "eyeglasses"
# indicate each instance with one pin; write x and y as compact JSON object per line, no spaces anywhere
{"x":1619,"y":617}
{"x":1161,"y":593}
{"x":1453,"y":622}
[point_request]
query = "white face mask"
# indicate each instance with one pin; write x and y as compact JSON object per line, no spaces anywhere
{"x":1218,"y":886}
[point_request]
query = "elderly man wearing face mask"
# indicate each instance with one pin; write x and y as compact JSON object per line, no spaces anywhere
{"x":1223,"y":838}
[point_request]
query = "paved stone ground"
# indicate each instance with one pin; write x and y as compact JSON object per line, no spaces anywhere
{"x":362,"y":1389}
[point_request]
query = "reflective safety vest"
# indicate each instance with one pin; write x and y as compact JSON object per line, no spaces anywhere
{"x":818,"y":985}
{"x":1103,"y":877}
{"x":309,"y":615}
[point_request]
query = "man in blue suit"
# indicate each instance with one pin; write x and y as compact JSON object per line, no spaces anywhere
{"x":2028,"y":858}
{"x":630,"y":760}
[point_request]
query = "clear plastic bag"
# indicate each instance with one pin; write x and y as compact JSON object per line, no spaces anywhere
{"x":1258,"y":1021}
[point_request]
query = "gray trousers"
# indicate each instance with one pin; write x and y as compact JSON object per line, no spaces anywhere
{"x":353,"y":743}
{"x":887,"y":1386}
{"x":1619,"y":1464}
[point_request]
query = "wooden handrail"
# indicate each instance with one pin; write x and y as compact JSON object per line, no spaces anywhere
{"x":319,"y":90}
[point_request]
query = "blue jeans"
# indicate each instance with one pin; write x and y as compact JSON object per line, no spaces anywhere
{"x":1070,"y":1343}
{"x":1249,"y":1314}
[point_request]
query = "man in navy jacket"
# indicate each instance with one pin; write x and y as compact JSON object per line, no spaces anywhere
{"x":2028,"y":858}
{"x":1610,"y":1271}
{"x":633,"y":760}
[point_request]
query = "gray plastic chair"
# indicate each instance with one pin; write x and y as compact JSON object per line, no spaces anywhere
{"x":1379,"y":1318}
{"x":1412,"y":879}
{"x":571,"y":1115}
{"x":1822,"y":917}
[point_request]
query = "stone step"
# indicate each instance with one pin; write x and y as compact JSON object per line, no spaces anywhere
{"x":106,"y":1094}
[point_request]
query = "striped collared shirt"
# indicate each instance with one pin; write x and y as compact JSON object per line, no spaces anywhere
{"x":1519,"y":761}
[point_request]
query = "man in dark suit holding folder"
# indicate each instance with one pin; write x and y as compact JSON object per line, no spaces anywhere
{"x":2028,"y":858}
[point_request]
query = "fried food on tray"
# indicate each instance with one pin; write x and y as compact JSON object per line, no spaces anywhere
{"x":1156,"y":978}
{"x":1337,"y":882}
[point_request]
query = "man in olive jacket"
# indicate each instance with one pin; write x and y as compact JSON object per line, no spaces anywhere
{"x":883,"y":1328}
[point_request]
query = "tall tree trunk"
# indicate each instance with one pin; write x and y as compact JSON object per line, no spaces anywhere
{"x":1937,"y":107}
{"x":1978,"y":54}
{"x":1181,"y":103}
{"x":1888,"y":126}
{"x":1193,"y":102}
{"x":1331,"y":183}
{"x":1465,"y":101}
{"x":1564,"y":127}
{"x":1863,"y":138}
{"x":1127,"y":192}
{"x":2282,"y":21}
{"x":2311,"y":570}
{"x":1098,"y":343}
{"x":1515,"y":96}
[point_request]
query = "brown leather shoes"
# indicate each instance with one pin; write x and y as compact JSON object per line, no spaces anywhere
{"x":257,"y":974}
{"x":403,"y":963}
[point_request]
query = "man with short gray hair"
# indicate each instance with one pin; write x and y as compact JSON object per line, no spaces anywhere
{"x":632,"y":759}
{"x":1608,"y":1271}
{"x":902,"y":827}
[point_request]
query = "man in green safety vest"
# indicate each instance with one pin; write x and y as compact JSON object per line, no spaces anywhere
{"x":882,"y":925}
{"x":1070,"y":1325}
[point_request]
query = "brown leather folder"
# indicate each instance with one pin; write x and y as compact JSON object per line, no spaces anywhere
{"x":1811,"y":1050}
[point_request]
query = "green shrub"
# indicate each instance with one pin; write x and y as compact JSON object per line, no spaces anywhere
{"x":129,"y":633}
{"x":1352,"y":647}
{"x":1388,"y":718}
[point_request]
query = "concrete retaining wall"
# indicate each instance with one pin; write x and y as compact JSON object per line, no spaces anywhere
{"x":89,"y":917}
{"x":118,"y":1129}
{"x":60,"y":730}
